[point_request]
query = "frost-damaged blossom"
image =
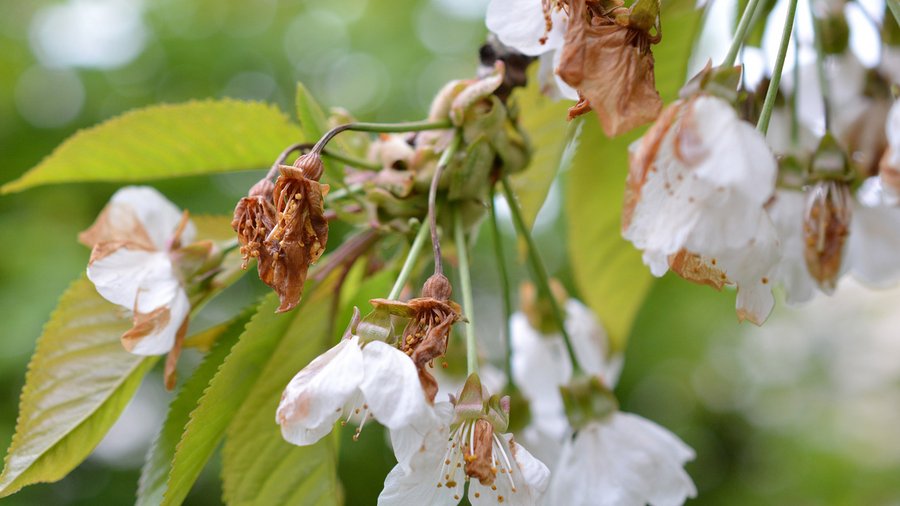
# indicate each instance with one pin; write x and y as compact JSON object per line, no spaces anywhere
{"x":607,"y":58}
{"x":430,"y":318}
{"x":596,"y":52}
{"x":694,"y":201}
{"x":465,"y":443}
{"x":356,"y":379}
{"x":286,"y":229}
{"x":139,"y":261}
{"x":534,"y":28}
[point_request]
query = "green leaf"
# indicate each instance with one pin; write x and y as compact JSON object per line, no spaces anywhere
{"x":258,"y":466}
{"x":78,"y":382}
{"x":225,"y":394}
{"x":155,"y":472}
{"x":544,"y":120}
{"x":168,"y":141}
{"x":608,"y":270}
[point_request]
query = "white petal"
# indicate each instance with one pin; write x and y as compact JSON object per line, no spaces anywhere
{"x":314,"y":398}
{"x":540,"y":364}
{"x":162,"y":339}
{"x":523,"y":483}
{"x":156,"y":213}
{"x":791,"y":273}
{"x":590,"y":341}
{"x":417,"y":482}
{"x":873,"y":249}
{"x":520,"y":24}
{"x":391,"y":386}
{"x":121,"y":276}
{"x":410,"y":440}
{"x":624,"y":460}
{"x":551,"y":84}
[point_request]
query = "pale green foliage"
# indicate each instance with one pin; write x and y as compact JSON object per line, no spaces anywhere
{"x":258,"y":466}
{"x":226,"y":392}
{"x":544,"y":120}
{"x":78,"y":382}
{"x":168,"y":141}
{"x":608,"y":270}
{"x":155,"y":472}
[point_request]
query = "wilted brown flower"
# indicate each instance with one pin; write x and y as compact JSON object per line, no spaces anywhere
{"x":826,"y":224}
{"x":430,"y":318}
{"x":300,"y":232}
{"x":254,"y":218}
{"x":607,"y":58}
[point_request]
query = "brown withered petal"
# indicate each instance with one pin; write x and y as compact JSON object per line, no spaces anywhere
{"x":612,"y":67}
{"x":300,"y":233}
{"x":479,"y":456}
{"x":172,"y":359}
{"x":254,"y":218}
{"x":826,"y":224}
{"x":697,"y":269}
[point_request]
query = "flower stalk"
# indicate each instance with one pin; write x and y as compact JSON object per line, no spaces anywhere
{"x":432,"y":202}
{"x":465,"y":278}
{"x":410,"y":262}
{"x":772,"y":92}
{"x":741,"y":33}
{"x":504,"y":287}
{"x":410,"y":126}
{"x":540,"y":273}
{"x":894,"y":6}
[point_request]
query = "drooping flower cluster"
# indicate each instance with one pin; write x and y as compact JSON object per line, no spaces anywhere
{"x":143,"y":258}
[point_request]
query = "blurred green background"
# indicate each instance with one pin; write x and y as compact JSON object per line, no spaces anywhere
{"x":803,"y":411}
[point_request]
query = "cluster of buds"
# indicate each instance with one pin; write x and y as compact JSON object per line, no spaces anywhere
{"x":283,"y":226}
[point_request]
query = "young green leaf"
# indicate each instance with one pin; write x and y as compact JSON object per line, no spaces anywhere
{"x":608,"y":270}
{"x":544,"y":120}
{"x":258,"y":466}
{"x":226,"y":392}
{"x":79,"y":381}
{"x":155,"y":472}
{"x":168,"y":141}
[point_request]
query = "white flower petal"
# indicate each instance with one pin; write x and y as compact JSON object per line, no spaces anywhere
{"x":417,"y":482}
{"x":121,"y":276}
{"x":540,"y":365}
{"x":551,"y":84}
{"x":156,"y":213}
{"x":791,"y":273}
{"x":409,"y":440}
{"x":624,"y":460}
{"x":315,"y":397}
{"x":161,"y":339}
{"x":391,"y":386}
{"x":873,"y":248}
{"x":520,"y":24}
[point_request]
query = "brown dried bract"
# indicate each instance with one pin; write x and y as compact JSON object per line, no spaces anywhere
{"x":479,"y":456}
{"x":300,"y":232}
{"x":611,"y":66}
{"x":430,"y":319}
{"x":826,"y":224}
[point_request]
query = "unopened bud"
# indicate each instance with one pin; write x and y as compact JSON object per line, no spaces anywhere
{"x":437,"y":287}
{"x":311,"y":165}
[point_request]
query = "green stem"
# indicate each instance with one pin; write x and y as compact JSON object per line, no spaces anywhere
{"x":409,"y":126}
{"x":432,"y":201}
{"x":504,"y":288}
{"x":349,"y":160}
{"x":894,"y":6}
{"x":775,"y":82}
{"x":540,"y":272}
{"x":465,"y":279}
{"x":741,"y":33}
{"x":410,"y":262}
{"x":347,"y":191}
